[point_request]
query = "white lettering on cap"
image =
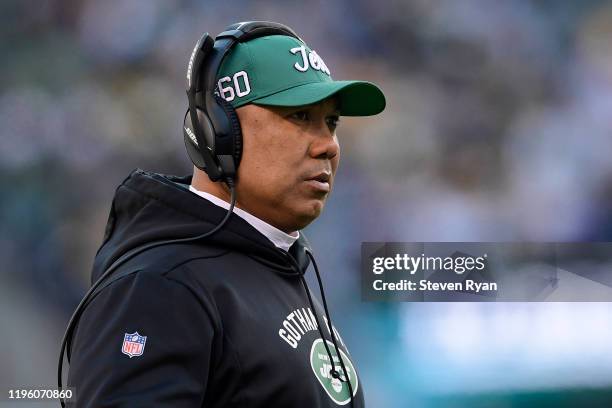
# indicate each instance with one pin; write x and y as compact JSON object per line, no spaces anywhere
{"x":312,"y":60}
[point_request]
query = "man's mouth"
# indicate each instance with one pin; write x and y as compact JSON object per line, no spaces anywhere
{"x":320,"y":181}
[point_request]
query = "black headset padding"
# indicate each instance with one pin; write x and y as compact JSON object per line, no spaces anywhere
{"x":232,"y":116}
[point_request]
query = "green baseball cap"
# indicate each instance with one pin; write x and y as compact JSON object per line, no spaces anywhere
{"x":280,"y":70}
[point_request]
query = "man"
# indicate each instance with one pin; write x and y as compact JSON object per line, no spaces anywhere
{"x":228,"y":321}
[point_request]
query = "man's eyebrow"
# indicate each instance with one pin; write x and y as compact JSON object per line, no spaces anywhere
{"x":337,"y":108}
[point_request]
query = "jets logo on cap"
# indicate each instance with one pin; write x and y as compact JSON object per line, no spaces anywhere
{"x":311,"y":61}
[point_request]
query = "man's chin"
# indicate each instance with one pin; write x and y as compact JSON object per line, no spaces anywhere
{"x":309,"y":214}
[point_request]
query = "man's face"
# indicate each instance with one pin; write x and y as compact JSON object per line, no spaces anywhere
{"x":290,"y":156}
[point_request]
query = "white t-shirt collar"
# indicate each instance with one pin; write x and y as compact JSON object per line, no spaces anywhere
{"x":279,"y":238}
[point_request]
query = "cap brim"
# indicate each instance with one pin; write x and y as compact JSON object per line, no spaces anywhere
{"x":356,"y":98}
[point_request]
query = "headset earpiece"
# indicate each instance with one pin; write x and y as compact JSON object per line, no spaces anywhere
{"x":191,"y":143}
{"x":202,"y":158}
{"x":236,"y":130}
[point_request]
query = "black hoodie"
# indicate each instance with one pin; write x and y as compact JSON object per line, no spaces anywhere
{"x":227,"y":321}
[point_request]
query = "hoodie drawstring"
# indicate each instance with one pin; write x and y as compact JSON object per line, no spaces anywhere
{"x":334,"y":373}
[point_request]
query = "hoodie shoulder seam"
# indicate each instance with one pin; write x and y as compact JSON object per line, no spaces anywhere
{"x":166,"y":271}
{"x":166,"y":203}
{"x":114,"y":278}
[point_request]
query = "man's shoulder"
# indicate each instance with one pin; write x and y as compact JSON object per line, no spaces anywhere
{"x":166,"y":258}
{"x":197,"y":267}
{"x":162,"y":258}
{"x":159,"y":263}
{"x":155,"y":273}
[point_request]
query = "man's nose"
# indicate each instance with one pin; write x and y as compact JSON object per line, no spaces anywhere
{"x":324,"y":143}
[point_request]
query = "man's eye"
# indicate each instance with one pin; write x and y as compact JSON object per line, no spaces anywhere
{"x":333,"y":121}
{"x":301,"y":115}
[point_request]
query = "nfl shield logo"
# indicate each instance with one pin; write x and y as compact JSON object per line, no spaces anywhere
{"x":133,"y":344}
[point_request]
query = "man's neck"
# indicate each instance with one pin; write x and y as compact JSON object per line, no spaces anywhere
{"x":201,"y":182}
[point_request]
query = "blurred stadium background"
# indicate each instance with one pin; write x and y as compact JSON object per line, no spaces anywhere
{"x":498,"y":128}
